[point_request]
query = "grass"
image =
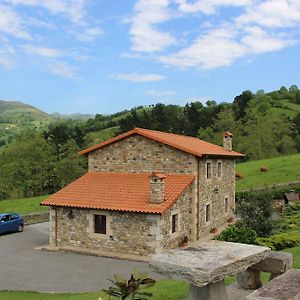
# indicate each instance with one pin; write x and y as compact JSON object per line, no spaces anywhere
{"x":23,"y":206}
{"x":163,"y":290}
{"x":283,"y":169}
{"x":102,"y":135}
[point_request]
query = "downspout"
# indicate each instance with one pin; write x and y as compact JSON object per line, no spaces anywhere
{"x":198,"y":199}
{"x":55,"y":232}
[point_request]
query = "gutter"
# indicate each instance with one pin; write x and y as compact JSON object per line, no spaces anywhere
{"x":55,"y":230}
{"x":198,"y":199}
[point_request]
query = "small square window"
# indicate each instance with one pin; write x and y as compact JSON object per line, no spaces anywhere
{"x":219,"y":169}
{"x":174,"y":223}
{"x":207,"y":212}
{"x":100,"y":224}
{"x":226,"y":204}
{"x":208,"y":170}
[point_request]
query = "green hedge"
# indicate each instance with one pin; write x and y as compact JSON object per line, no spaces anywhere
{"x":238,"y":233}
{"x":274,"y":193}
{"x":280,"y":241}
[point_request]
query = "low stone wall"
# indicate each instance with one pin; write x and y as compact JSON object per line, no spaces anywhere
{"x":273,"y":187}
{"x":38,"y":217}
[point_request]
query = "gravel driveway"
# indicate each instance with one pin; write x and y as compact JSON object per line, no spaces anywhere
{"x":24,"y":268}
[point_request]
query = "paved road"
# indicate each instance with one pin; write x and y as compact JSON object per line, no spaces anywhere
{"x":23,"y":268}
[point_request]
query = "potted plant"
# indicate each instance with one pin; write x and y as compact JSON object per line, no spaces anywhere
{"x":183,"y":242}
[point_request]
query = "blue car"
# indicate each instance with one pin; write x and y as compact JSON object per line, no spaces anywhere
{"x":11,"y":222}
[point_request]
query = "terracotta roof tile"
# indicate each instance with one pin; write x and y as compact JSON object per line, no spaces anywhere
{"x":119,"y":191}
{"x":184,"y":143}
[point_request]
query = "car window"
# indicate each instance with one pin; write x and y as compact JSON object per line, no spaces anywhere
{"x":5,"y":218}
{"x":14,"y":217}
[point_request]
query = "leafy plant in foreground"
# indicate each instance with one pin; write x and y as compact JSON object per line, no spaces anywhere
{"x":131,"y":289}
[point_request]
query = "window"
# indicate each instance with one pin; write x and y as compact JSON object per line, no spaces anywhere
{"x":226,"y":204}
{"x":219,"y":169}
{"x":174,"y":223}
{"x":207,"y":212}
{"x":208,"y":170}
{"x":5,"y":218}
{"x":100,"y":224}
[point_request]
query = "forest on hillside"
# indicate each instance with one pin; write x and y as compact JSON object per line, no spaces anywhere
{"x":42,"y":159}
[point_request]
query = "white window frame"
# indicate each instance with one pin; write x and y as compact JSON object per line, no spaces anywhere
{"x":221,"y":175}
{"x":209,"y":161}
{"x":228,"y":206}
{"x":210,"y":213}
{"x":175,"y":212}
{"x":91,"y":226}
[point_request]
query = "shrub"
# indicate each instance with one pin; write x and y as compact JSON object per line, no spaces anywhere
{"x":280,"y":241}
{"x":238,"y":233}
{"x":255,"y":210}
{"x":263,"y":169}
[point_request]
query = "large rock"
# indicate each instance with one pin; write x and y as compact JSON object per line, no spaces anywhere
{"x":283,"y":287}
{"x":208,"y":262}
{"x":276,"y":263}
{"x":248,"y":280}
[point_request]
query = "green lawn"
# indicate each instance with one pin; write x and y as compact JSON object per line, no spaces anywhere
{"x":281,"y":169}
{"x":163,"y":290}
{"x":23,"y":206}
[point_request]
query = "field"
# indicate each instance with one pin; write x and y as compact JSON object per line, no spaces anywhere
{"x":283,"y":169}
{"x":23,"y":206}
{"x":102,"y":135}
{"x":163,"y":290}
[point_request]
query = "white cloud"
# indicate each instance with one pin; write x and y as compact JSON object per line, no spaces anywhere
{"x":146,"y":37}
{"x":39,"y":23}
{"x":43,"y":51}
{"x":89,"y":34}
{"x":62,"y":69}
{"x":214,"y":49}
{"x":73,"y":9}
{"x":7,"y":53}
{"x":135,"y":77}
{"x":208,"y":7}
{"x":272,"y":13}
{"x":258,"y":41}
{"x":157,"y":93}
{"x":12,"y":23}
{"x":254,"y":31}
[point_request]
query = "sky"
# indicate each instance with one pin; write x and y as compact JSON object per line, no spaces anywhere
{"x":103,"y":56}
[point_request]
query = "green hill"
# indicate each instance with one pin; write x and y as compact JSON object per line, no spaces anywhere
{"x":281,"y":170}
{"x":18,"y":110}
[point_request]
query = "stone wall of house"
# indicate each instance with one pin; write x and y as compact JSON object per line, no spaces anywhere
{"x":139,"y":154}
{"x":126,"y":232}
{"x":184,"y":208}
{"x":134,"y":233}
{"x":214,"y":191}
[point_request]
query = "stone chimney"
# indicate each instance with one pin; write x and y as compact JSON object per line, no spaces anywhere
{"x":227,"y":140}
{"x":157,"y":184}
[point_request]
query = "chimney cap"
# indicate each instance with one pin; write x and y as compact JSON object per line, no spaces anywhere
{"x":227,"y":133}
{"x":158,"y":174}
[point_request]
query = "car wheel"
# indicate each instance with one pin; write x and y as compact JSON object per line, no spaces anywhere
{"x":20,"y":228}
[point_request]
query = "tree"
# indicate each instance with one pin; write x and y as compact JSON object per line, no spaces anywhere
{"x":27,"y":166}
{"x":240,"y":104}
{"x":58,"y":134}
{"x":255,"y":210}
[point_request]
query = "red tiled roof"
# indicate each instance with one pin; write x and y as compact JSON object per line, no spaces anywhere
{"x":184,"y":143}
{"x":119,"y":192}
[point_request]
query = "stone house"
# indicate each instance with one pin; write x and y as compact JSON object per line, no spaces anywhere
{"x":146,"y":191}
